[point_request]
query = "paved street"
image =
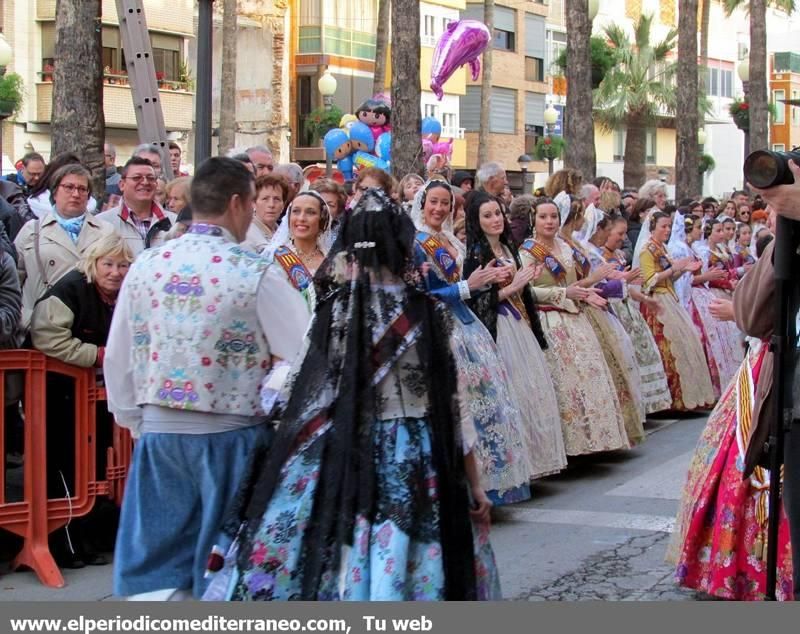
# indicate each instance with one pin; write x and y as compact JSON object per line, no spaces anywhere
{"x":598,"y":531}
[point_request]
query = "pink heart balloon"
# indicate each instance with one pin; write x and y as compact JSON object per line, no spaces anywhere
{"x":462,"y":43}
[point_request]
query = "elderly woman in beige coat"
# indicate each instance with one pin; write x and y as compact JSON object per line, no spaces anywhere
{"x":51,"y":246}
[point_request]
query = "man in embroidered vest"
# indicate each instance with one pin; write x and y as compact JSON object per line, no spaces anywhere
{"x":197,"y":325}
{"x":140,"y":221}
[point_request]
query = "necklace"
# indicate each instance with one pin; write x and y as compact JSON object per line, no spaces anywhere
{"x":306,"y":258}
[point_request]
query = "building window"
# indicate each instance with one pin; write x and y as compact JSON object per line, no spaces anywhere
{"x":431,"y":110}
{"x":429,"y":26}
{"x":503,"y":40}
{"x":532,"y":135}
{"x":651,"y":151}
{"x":534,"y":69}
{"x":503,"y":111}
{"x":556,"y":43}
{"x":505,"y":29}
{"x":470,"y":108}
{"x":778,"y":147}
{"x":778,"y":97}
{"x":720,"y":82}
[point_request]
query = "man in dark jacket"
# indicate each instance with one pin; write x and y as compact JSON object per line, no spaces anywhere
{"x":33,"y":165}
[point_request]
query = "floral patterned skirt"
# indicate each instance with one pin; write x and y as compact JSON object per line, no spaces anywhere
{"x":488,"y":409}
{"x":723,"y":339}
{"x":719,"y":545}
{"x":587,"y":399}
{"x":618,"y":353}
{"x":398,"y":557}
{"x":682,"y":354}
{"x":655,"y":391}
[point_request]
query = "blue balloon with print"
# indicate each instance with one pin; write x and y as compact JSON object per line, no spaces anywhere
{"x":364,"y":159}
{"x":361,"y":138}
{"x":345,"y":166}
{"x":432,"y":128}
{"x":383,"y":146}
{"x":337,"y":144}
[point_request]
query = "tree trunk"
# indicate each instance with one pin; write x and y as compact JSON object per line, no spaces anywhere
{"x":686,"y":114}
{"x":578,"y":122}
{"x":486,"y":87}
{"x":381,"y":44}
{"x":705,"y":25}
{"x":406,"y":93}
{"x":78,"y":122}
{"x":759,"y":113}
{"x":227,"y":101}
{"x":633,"y":171}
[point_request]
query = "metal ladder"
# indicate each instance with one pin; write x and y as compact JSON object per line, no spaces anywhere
{"x":142,"y":78}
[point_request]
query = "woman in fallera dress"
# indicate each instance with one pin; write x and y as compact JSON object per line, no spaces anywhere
{"x":301,"y":242}
{"x":487,"y":403}
{"x":369,"y":491}
{"x":587,"y":399}
{"x":692,"y":288}
{"x":717,"y":279}
{"x":654,"y":388}
{"x":678,"y":342}
{"x":719,"y":545}
{"x":582,"y":226}
{"x":509,"y":313}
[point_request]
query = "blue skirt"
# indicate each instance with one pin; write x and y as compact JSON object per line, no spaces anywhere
{"x":395,"y":558}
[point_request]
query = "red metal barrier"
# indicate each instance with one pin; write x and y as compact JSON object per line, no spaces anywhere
{"x":36,"y":516}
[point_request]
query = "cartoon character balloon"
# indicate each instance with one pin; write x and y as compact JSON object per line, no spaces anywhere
{"x":376,"y":114}
{"x":462,"y":43}
{"x":347,"y":121}
{"x":361,"y":137}
{"x":383,"y":147}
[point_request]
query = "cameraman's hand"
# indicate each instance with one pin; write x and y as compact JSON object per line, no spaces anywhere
{"x":784,"y":199}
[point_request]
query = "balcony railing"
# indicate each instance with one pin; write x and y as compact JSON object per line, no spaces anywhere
{"x":176,"y":105}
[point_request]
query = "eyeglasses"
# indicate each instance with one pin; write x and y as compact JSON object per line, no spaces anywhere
{"x":139,"y":178}
{"x":71,"y":189}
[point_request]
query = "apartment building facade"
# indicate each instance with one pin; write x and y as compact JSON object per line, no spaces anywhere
{"x":784,"y":84}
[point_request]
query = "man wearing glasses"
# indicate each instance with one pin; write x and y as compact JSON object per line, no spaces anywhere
{"x":138,"y":218}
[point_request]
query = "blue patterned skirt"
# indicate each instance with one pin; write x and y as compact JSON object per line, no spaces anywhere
{"x":397,"y":557}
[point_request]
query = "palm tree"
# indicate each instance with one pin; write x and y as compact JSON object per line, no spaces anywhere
{"x":406,"y":89}
{"x":636,"y":90}
{"x":78,"y":120}
{"x":687,"y":172}
{"x":757,"y":86}
{"x":578,"y":122}
{"x":486,"y":87}
{"x":227,"y":99}
{"x":381,"y":44}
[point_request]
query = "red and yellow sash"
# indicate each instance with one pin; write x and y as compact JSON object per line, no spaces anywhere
{"x":440,"y":255}
{"x":296,"y":271}
{"x":543,"y":255}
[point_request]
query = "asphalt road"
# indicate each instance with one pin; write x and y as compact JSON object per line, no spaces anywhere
{"x":595,"y":532}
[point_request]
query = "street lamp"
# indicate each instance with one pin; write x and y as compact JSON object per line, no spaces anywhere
{"x":550,"y":119}
{"x":594,"y":9}
{"x":524,"y":161}
{"x":327,"y":88}
{"x":743,"y":70}
{"x":5,"y":59}
{"x":701,"y":137}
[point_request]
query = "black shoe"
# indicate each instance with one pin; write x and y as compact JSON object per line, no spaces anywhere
{"x":70,"y":561}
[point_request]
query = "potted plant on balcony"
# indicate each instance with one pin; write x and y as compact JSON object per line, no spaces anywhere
{"x":47,"y":72}
{"x":185,"y":77}
{"x":318,"y":122}
{"x":161,"y":78}
{"x":549,"y":148}
{"x":12,"y":94}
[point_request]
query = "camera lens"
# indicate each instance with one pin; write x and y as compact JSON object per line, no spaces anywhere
{"x":762,"y":169}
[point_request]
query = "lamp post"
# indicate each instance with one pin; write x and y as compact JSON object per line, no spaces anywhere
{"x":5,"y":59}
{"x":524,"y":161}
{"x":743,"y":70}
{"x":550,"y":119}
{"x":202,"y":97}
{"x":327,"y":88}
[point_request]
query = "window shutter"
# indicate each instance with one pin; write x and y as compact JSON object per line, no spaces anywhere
{"x":473,"y":11}
{"x":534,"y":109}
{"x":503,"y":115}
{"x":534,"y":36}
{"x":504,"y":19}
{"x":470,"y":105}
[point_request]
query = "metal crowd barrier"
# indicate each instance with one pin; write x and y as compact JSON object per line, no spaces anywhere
{"x":35,"y":516}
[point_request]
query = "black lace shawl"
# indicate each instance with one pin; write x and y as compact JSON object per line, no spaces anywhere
{"x":334,"y":380}
{"x":484,"y":304}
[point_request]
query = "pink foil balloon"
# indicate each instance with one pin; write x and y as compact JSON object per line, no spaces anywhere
{"x":462,"y":43}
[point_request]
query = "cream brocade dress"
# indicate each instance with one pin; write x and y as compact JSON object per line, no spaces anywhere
{"x":590,"y":409}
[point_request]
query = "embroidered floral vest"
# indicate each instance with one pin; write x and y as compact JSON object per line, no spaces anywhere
{"x":198,"y":344}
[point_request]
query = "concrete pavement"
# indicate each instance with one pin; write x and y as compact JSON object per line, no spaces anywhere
{"x":597,"y":531}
